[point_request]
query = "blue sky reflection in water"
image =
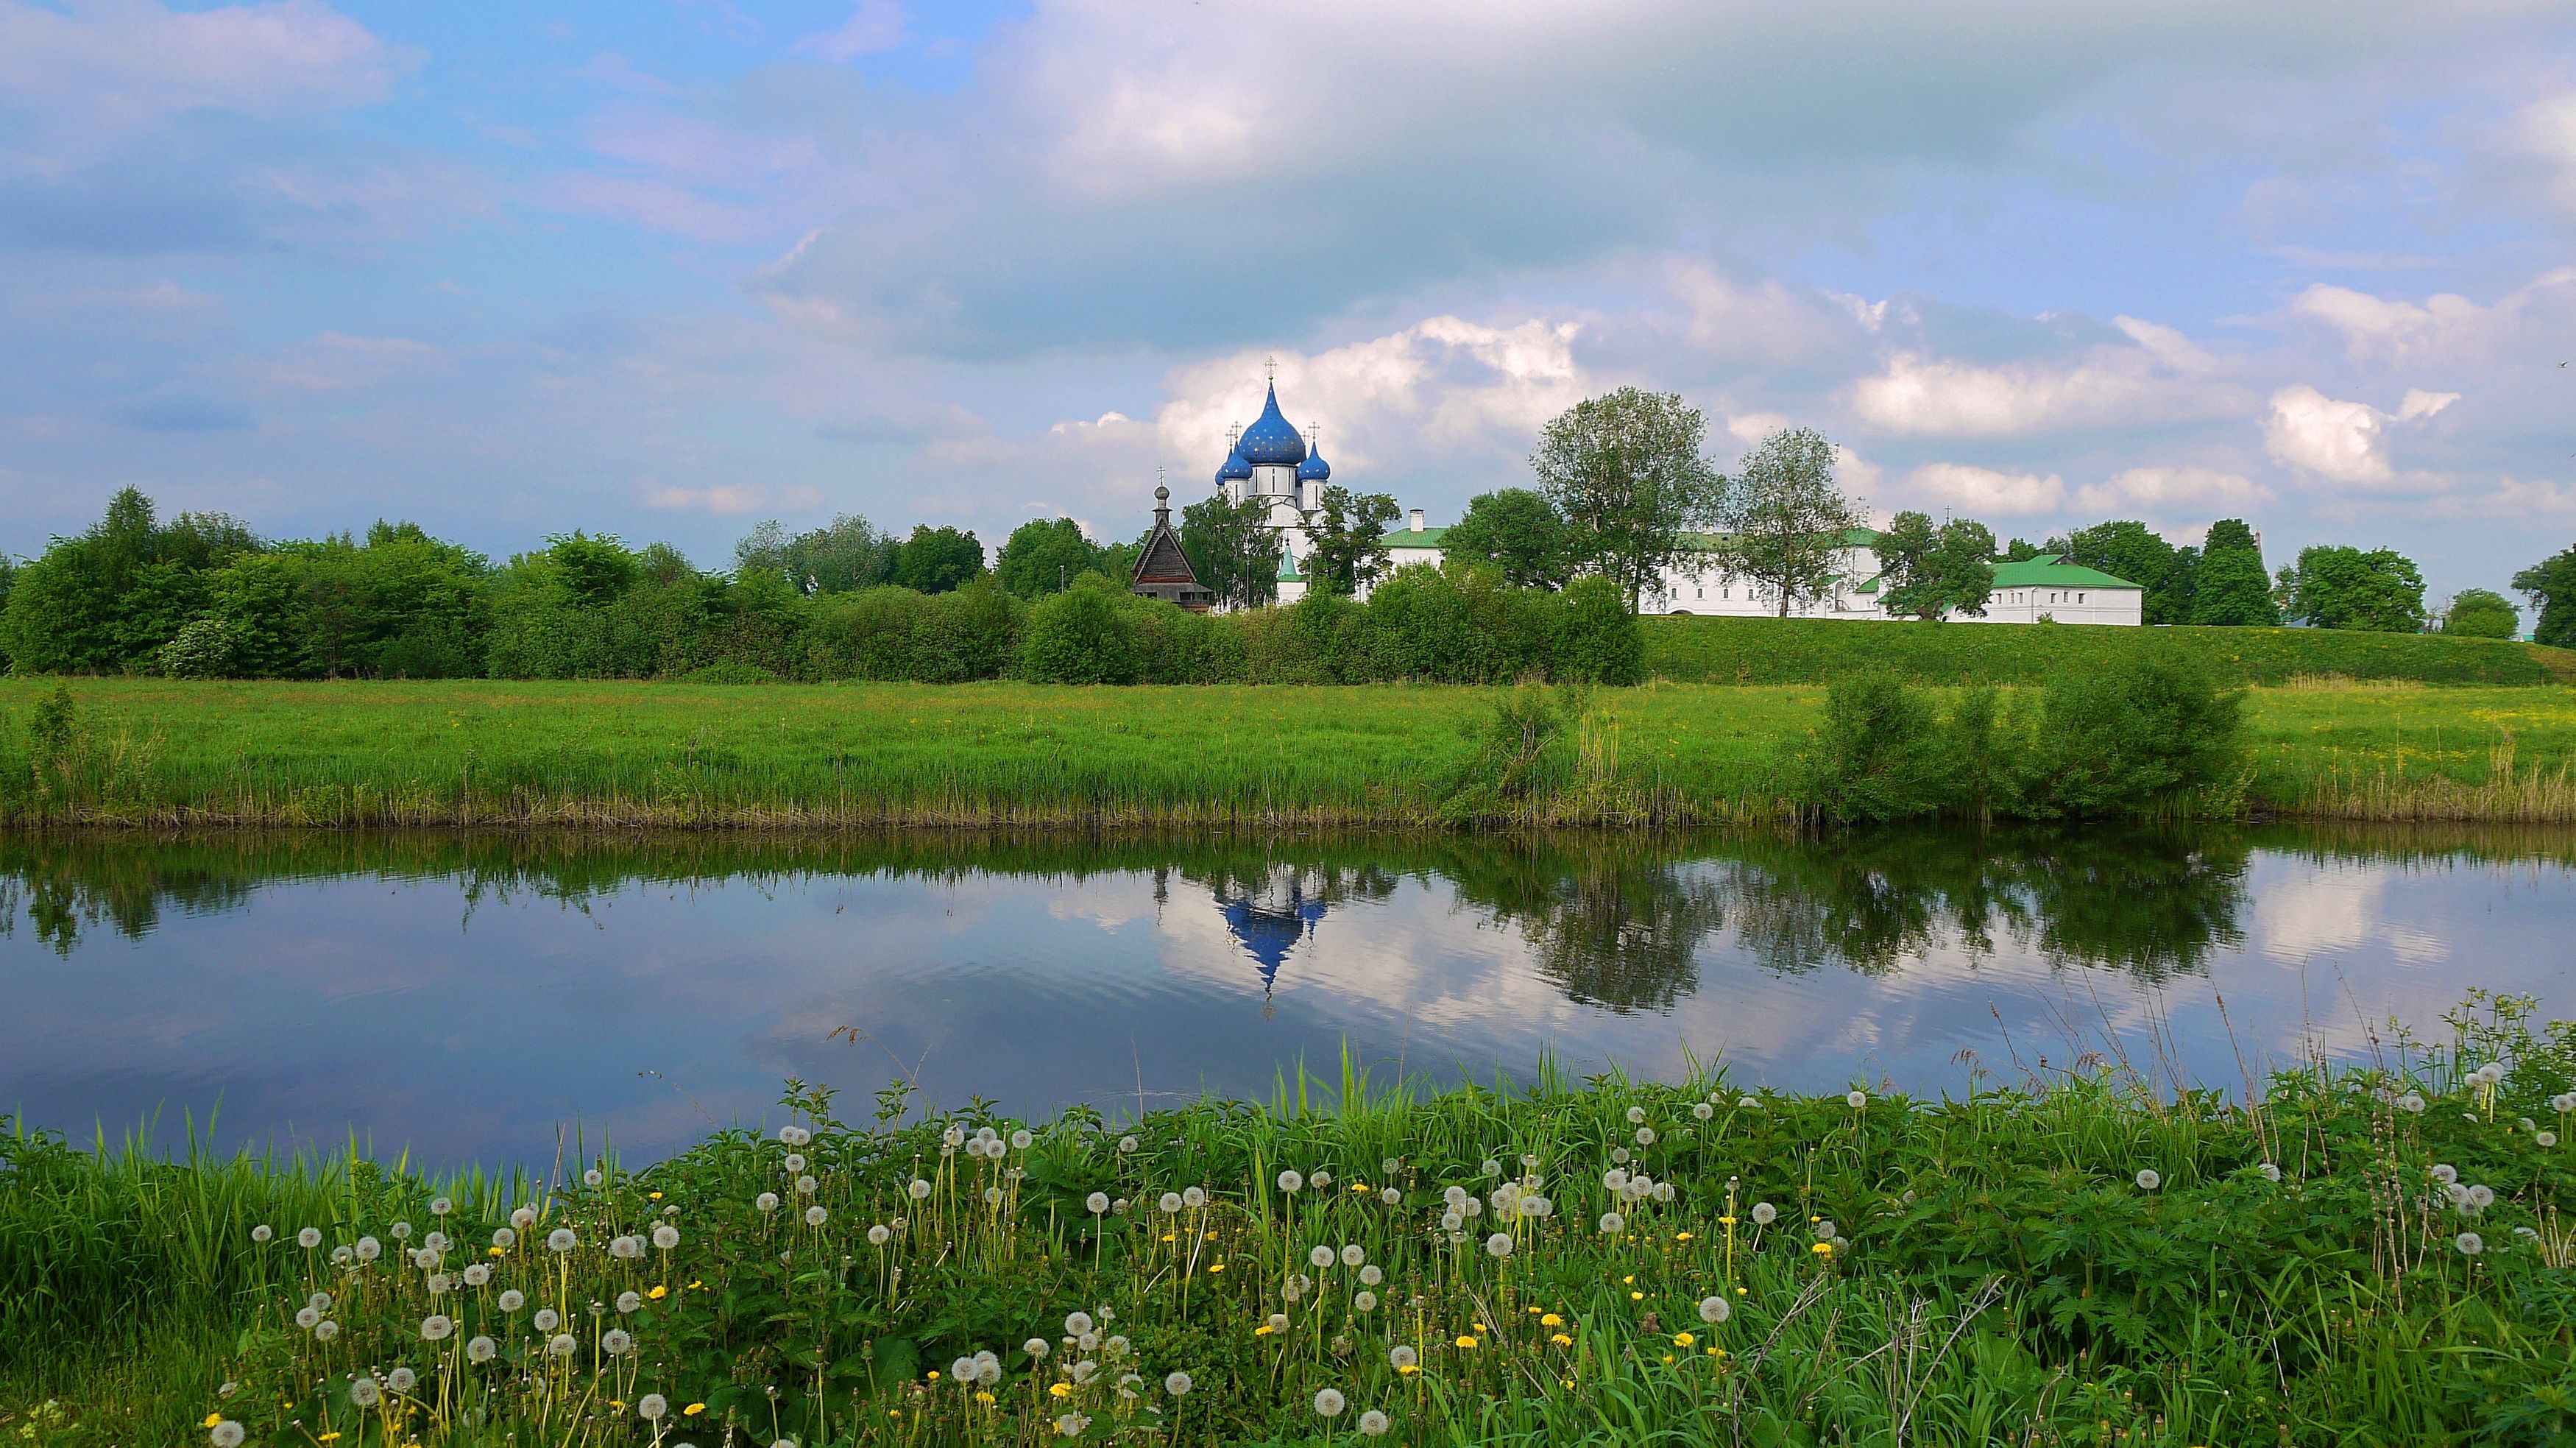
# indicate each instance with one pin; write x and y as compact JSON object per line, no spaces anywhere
{"x":461,"y":998}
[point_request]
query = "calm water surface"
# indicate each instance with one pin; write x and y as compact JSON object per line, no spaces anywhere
{"x":462,"y":997}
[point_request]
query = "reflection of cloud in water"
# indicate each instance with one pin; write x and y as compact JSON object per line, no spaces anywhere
{"x":2334,"y":907}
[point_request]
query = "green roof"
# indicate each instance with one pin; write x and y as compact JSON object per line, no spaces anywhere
{"x":2053,"y":571}
{"x":1288,"y":569}
{"x":1851,"y":538}
{"x":1407,"y":538}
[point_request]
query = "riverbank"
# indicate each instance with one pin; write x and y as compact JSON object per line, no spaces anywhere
{"x":144,"y":752}
{"x":2053,"y":1258}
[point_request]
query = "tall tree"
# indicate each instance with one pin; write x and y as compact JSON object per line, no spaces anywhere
{"x":1516,"y":530}
{"x":2551,"y":586}
{"x":1349,"y":540}
{"x":1233,"y":549}
{"x":937,"y":560}
{"x":104,"y":601}
{"x":2127,"y":548}
{"x":1932,"y":572}
{"x":1045,"y":555}
{"x":2481,"y":613}
{"x":1785,"y":519}
{"x":2229,"y":587}
{"x":2377,"y":591}
{"x":1625,"y":473}
{"x":844,"y":554}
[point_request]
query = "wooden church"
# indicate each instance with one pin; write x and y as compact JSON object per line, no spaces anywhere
{"x":1163,"y":571}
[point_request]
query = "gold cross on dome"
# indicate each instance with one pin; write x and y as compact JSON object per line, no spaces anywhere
{"x":1271,"y":365}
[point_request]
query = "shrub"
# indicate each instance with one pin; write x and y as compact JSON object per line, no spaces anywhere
{"x":1597,"y":639}
{"x":1080,"y":636}
{"x":730,"y":673}
{"x":2132,"y":735}
{"x":203,"y":648}
{"x":1876,"y":757}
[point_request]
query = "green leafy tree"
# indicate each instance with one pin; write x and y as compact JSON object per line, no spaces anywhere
{"x":2481,"y":613}
{"x":1518,"y":532}
{"x":1081,"y":636}
{"x":937,"y":560}
{"x":2229,"y":585}
{"x":2020,"y":550}
{"x":1233,"y":549}
{"x":843,"y":555}
{"x":106,"y":600}
{"x":1786,"y":519}
{"x":2551,"y":586}
{"x":2127,"y":548}
{"x":1931,"y":573}
{"x":1599,"y":640}
{"x":2377,"y":591}
{"x":1626,"y":474}
{"x":1348,"y":550}
{"x":1045,"y":555}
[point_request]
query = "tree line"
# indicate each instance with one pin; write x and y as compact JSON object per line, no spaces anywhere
{"x":202,"y":596}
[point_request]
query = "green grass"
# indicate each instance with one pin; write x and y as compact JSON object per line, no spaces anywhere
{"x":618,"y":753}
{"x":1999,"y":1269}
{"x":1807,"y":651}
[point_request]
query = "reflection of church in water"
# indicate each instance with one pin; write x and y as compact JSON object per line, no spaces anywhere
{"x":1269,"y":913}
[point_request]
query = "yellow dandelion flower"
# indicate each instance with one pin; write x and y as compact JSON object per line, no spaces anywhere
{"x":1636,"y":1297}
{"x":1216,"y":1268}
{"x":1631,"y":1277}
{"x":1668,"y":1357}
{"x":1171,"y":1237}
{"x":1410,"y":1368}
{"x":983,"y":1397}
{"x":659,"y":1291}
{"x":1683,"y":1339}
{"x":693,"y":1410}
{"x":1561,"y":1340}
{"x":1823,"y":1249}
{"x":496,"y":1251}
{"x":657,"y":1196}
{"x":1262,"y":1331}
{"x":1466,"y":1341}
{"x":1681,"y":1236}
{"x":1060,"y":1390}
{"x":211,"y":1420}
{"x":934,"y":1375}
{"x":1551,"y":1320}
{"x":695,"y":1284}
{"x":1726,"y":1221}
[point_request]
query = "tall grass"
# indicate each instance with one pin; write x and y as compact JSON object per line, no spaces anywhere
{"x":348,"y":755}
{"x":2058,"y":1257}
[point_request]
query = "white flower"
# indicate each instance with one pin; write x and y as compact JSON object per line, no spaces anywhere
{"x":2149,"y":1179}
{"x":504,"y":1238}
{"x":309,"y":1238}
{"x":2411,"y":1103}
{"x":1614,"y":1180}
{"x":1826,"y":1231}
{"x":547,"y":1319}
{"x":815,"y":1216}
{"x":1451,"y":1221}
{"x":629,"y":1301}
{"x":1169,"y":1201}
{"x":306,"y":1317}
{"x":2563,"y":1101}
{"x":2445,"y":1173}
{"x":1353,"y":1254}
{"x":1320,"y":1255}
{"x":1126,"y":1144}
{"x":1323,"y":1179}
{"x":561,"y":1239}
{"x":1176,"y":1383}
{"x":478,"y":1274}
{"x":1636,"y":1116}
{"x":364,"y":1392}
{"x":792,"y":1135}
{"x":1498,"y":1245}
{"x":369,"y":1249}
{"x":1702,"y":1111}
{"x":1714,"y":1310}
{"x":1290,"y":1181}
{"x":260,"y":1233}
{"x":988,"y":1369}
{"x":1492,"y":1168}
{"x":1371,"y":1275}
{"x":1391,"y":1165}
{"x":1619,"y":1154}
{"x":592,"y":1177}
{"x":1764,"y":1214}
{"x":402,"y":1380}
{"x":651,"y":1407}
{"x":879,"y":1235}
{"x":1364,"y":1301}
{"x":227,"y":1434}
{"x":2469,"y":1243}
{"x":1072,"y":1424}
{"x":1373,"y":1423}
{"x":666,"y":1236}
{"x":523,"y":1218}
{"x":400,"y":1230}
{"x":1391,"y":1197}
{"x":561,"y":1345}
{"x":1021,"y":1140}
{"x":1329,"y":1403}
{"x":1612,"y":1223}
{"x":2271,"y":1173}
{"x":920,"y":1190}
{"x":795,"y":1162}
{"x":1645,"y":1136}
{"x":513,"y":1299}
{"x":615,"y":1342}
{"x":805,"y":1186}
{"x":1454,"y":1196}
{"x":1096,"y":1203}
{"x":319,"y":1302}
{"x":340,"y":1256}
{"x":962,"y":1370}
{"x":440,"y":1206}
{"x":766,"y":1201}
{"x":2545,"y":1138}
{"x":481,"y":1349}
{"x":1278,"y":1322}
{"x":438,"y":1283}
{"x":2481,"y":1197}
{"x":1077,"y":1323}
{"x":325,"y":1330}
{"x":1193,"y":1197}
{"x":1856,"y":1099}
{"x":1036,"y":1348}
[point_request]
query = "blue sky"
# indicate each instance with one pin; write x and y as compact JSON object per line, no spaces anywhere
{"x":670,"y":267}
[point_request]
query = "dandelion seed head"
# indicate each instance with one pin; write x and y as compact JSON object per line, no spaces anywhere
{"x":477,"y":1275}
{"x":1077,"y":1323}
{"x":325,"y":1330}
{"x":1072,"y":1424}
{"x":651,"y":1407}
{"x":766,"y":1201}
{"x":365,"y":1393}
{"x":306,"y":1317}
{"x":1364,"y":1301}
{"x":1323,"y":1179}
{"x":1764,"y":1214}
{"x":440,"y":1206}
{"x":616,"y":1342}
{"x":2411,"y":1103}
{"x":1036,"y":1348}
{"x":561,"y":1345}
{"x":2544,"y":1139}
{"x":815,"y":1216}
{"x":1612,"y":1223}
{"x":260,"y":1233}
{"x":920,"y":1190}
{"x":1702,"y":1111}
{"x":1498,"y":1245}
{"x":226,"y":1434}
{"x":1373,"y":1423}
{"x":547,"y":1319}
{"x":481,"y":1349}
{"x":2445,"y":1173}
{"x":1636,"y":1116}
{"x":2270,"y":1171}
{"x":1021,"y":1141}
{"x":1176,"y":1383}
{"x":1290,"y":1181}
{"x":513,"y":1299}
{"x":1714,"y":1310}
{"x":561,"y":1239}
{"x":2149,"y":1179}
{"x":1127,"y":1146}
{"x":879,"y":1235}
{"x":1391,"y":1196}
{"x":2481,"y":1197}
{"x":1329,"y":1403}
{"x":1619,"y":1154}
{"x":666,"y":1236}
{"x":2469,"y":1243}
{"x":630,"y":1301}
{"x":593,"y":1177}
{"x":309,"y":1238}
{"x":1193,"y":1197}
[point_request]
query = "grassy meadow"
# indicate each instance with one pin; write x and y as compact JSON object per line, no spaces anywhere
{"x":2375,"y":1255}
{"x":1808,"y":651}
{"x":146,"y":751}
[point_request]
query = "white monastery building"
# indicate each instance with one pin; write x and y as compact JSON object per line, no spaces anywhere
{"x":1272,"y":460}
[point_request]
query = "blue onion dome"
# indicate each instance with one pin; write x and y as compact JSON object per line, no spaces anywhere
{"x":1271,"y":439}
{"x":1236,"y":470}
{"x":1314,"y":469}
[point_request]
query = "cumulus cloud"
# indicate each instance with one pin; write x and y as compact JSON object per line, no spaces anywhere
{"x":2159,"y":376}
{"x":2342,"y":442}
{"x":2174,"y":491}
{"x":732,"y":498}
{"x":2445,"y":327}
{"x":1978,"y":492}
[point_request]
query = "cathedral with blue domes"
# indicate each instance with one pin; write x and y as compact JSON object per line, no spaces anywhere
{"x":1273,"y":462}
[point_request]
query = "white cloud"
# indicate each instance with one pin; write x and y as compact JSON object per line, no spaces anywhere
{"x":2342,"y":442}
{"x":2546,"y":131}
{"x":101,"y":70}
{"x":2161,"y":376}
{"x":2444,"y":327}
{"x":729,"y":498}
{"x":873,"y":26}
{"x":1750,"y":428}
{"x":2171,"y":491}
{"x":1979,"y":491}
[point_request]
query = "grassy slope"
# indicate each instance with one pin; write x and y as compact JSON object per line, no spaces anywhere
{"x":429,"y":753}
{"x":1796,"y":651}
